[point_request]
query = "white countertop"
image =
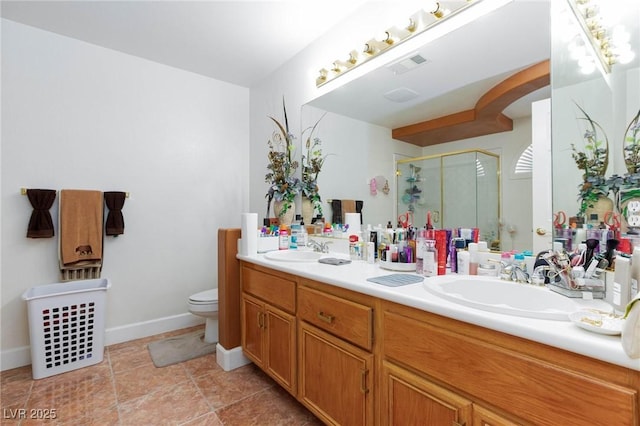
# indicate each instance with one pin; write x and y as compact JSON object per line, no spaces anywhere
{"x":560,"y":334}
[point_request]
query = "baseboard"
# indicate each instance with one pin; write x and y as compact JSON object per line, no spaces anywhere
{"x":139,"y":330}
{"x":19,"y":357}
{"x":14,"y":358}
{"x":230,"y":359}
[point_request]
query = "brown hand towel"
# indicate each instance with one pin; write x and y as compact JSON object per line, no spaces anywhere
{"x":40,"y":223}
{"x":80,"y":219}
{"x":115,"y":221}
{"x":340,"y":207}
{"x":348,"y":206}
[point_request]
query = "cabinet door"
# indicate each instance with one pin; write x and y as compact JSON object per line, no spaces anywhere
{"x":485,"y":417}
{"x":252,"y":329}
{"x":280,"y":339}
{"x":335,"y":378}
{"x":412,"y":400}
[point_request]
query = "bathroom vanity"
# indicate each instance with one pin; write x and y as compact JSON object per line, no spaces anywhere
{"x":358,"y":353}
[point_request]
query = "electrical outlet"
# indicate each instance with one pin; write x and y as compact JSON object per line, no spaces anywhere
{"x":633,"y":220}
{"x":634,"y":206}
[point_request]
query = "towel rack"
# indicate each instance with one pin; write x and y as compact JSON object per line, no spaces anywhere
{"x":23,"y":191}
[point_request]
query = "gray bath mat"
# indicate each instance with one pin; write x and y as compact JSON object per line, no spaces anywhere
{"x":180,"y":348}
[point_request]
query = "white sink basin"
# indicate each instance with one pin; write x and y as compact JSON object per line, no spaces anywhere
{"x":293,"y":255}
{"x":493,"y":295}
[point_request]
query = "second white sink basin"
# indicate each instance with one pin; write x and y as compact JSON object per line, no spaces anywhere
{"x":491,"y":294}
{"x":293,"y":255}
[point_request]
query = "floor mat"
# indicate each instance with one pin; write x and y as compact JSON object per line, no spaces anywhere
{"x":180,"y":348}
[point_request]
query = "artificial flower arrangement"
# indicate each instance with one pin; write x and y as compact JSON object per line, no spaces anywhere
{"x":312,"y":163}
{"x":283,"y":185}
{"x":632,"y":145}
{"x":593,"y":161}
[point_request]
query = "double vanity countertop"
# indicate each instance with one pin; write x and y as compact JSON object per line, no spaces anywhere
{"x":560,"y":334}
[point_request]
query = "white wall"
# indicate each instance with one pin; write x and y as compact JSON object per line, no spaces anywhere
{"x":76,"y":115}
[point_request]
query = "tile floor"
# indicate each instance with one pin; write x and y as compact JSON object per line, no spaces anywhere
{"x":127,"y":389}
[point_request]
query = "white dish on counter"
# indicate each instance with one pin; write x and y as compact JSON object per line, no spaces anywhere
{"x":598,"y":322}
{"x":397,"y":266}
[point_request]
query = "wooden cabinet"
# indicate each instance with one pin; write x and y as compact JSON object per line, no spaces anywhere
{"x":335,"y":376}
{"x":525,"y":382}
{"x":412,"y":400}
{"x":268,"y":332}
{"x":340,"y":353}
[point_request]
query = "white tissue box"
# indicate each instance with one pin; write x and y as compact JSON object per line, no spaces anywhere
{"x":266,"y":244}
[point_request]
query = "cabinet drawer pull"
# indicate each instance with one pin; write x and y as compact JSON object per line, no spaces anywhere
{"x":458,"y":424}
{"x":325,"y":317}
{"x":363,"y":381}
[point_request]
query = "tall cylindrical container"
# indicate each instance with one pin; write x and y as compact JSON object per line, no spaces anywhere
{"x":430,"y":259}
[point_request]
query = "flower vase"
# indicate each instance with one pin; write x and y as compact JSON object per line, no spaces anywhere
{"x":285,"y":218}
{"x":600,"y":208}
{"x":307,"y":210}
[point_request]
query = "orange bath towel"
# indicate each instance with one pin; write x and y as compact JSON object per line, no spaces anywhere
{"x":80,"y":226}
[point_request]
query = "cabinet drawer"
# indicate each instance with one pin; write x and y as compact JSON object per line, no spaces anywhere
{"x":275,"y":290}
{"x":346,"y":319}
{"x":534,"y":390}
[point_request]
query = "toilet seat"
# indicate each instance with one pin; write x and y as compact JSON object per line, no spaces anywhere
{"x":206,"y":297}
{"x":205,"y":304}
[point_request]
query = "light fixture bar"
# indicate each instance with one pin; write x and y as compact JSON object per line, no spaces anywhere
{"x":597,"y":38}
{"x":418,"y":23}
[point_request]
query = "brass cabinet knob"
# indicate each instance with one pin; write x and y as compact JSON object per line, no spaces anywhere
{"x":541,"y":231}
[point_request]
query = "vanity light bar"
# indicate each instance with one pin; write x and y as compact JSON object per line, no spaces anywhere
{"x":608,"y":51}
{"x":419,"y":22}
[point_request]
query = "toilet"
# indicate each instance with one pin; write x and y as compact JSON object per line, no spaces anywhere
{"x":205,"y":304}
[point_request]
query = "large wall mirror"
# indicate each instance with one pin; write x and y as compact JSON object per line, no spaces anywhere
{"x":458,"y":68}
{"x":610,"y":98}
{"x":454,"y":190}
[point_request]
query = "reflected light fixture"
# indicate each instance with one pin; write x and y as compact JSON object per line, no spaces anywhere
{"x":605,"y":34}
{"x":432,"y":14}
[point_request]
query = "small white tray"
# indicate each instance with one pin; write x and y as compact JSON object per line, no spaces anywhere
{"x":598,"y":322}
{"x":397,"y":266}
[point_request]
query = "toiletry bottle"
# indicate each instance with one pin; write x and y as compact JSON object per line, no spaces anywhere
{"x":283,"y":238}
{"x":303,"y":237}
{"x":371,"y":252}
{"x":441,"y":248}
{"x":294,"y":231}
{"x":393,"y":252}
{"x":483,"y":252}
{"x":456,"y":243}
{"x":473,"y":258}
{"x":430,"y":259}
{"x":361,"y":247}
{"x":353,"y":247}
{"x":463,"y":262}
{"x":421,"y":245}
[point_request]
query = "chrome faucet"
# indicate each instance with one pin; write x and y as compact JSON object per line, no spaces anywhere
{"x":518,"y":274}
{"x":512,"y":272}
{"x":318,"y":247}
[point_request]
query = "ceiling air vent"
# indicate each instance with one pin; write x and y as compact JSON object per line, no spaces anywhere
{"x":401,"y":95}
{"x":407,"y":63}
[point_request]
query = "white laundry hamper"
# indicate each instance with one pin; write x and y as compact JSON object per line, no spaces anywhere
{"x":66,"y":325}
